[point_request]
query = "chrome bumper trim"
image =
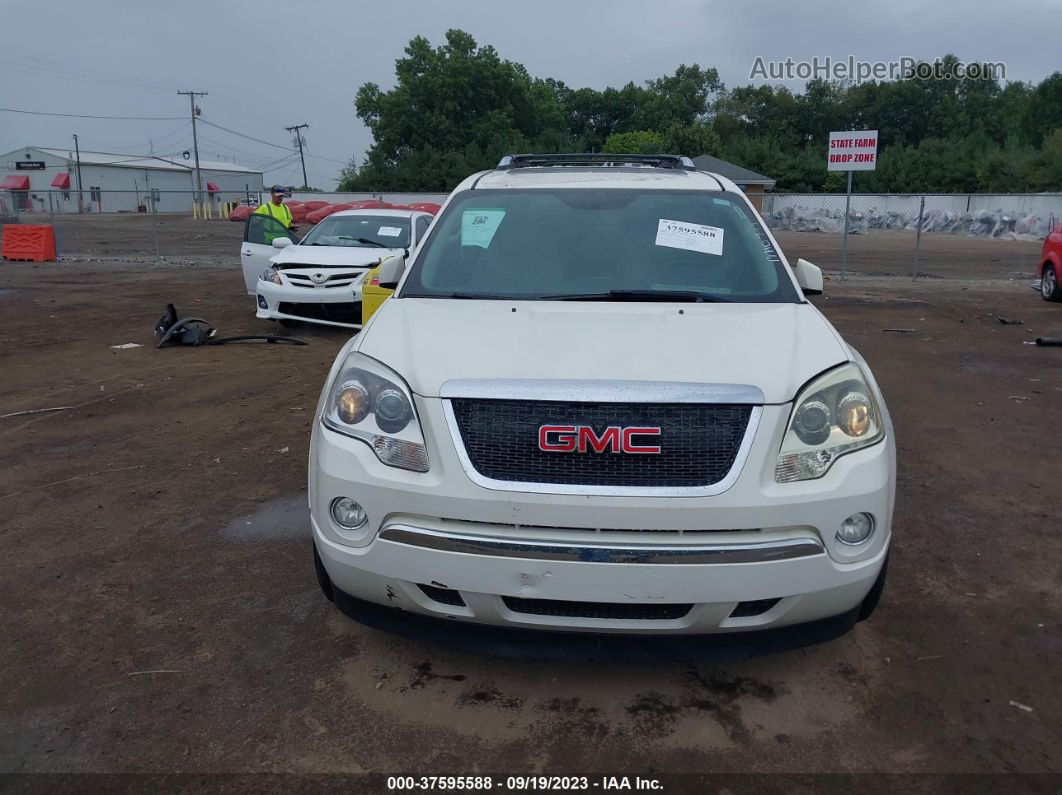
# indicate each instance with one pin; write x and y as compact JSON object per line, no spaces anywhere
{"x":750,"y":552}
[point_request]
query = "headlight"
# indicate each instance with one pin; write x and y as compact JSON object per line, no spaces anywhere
{"x":835,"y":414}
{"x":371,"y":402}
{"x":270,"y":275}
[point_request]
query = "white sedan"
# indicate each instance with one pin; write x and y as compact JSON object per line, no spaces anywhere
{"x":318,"y":279}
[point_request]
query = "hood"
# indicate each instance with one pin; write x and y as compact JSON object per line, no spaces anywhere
{"x":776,"y":347}
{"x":332,"y":256}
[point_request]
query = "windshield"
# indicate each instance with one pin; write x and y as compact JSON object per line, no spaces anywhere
{"x":366,"y":231}
{"x":600,"y":244}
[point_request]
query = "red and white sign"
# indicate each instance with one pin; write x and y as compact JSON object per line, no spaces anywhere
{"x":852,"y":150}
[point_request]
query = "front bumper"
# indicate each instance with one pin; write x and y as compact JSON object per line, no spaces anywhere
{"x":505,"y":552}
{"x":337,"y":306}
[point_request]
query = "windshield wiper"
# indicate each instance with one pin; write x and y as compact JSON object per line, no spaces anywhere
{"x":479,"y":296}
{"x":688,"y":296}
{"x":364,"y":240}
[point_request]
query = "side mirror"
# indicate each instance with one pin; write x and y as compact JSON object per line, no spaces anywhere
{"x":391,"y":270}
{"x":809,"y":277}
{"x":281,"y":242}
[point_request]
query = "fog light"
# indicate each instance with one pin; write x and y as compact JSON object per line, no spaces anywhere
{"x":856,"y":528}
{"x":262,"y":302}
{"x":348,"y":514}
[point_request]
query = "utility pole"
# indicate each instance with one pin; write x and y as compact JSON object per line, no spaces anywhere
{"x":80,"y":199}
{"x":298,"y":137}
{"x":195,"y":141}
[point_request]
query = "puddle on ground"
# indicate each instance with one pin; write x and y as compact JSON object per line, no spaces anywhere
{"x":279,"y":518}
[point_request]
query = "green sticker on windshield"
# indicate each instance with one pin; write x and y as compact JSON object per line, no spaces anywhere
{"x":478,"y":226}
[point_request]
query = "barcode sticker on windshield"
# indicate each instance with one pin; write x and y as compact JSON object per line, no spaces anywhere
{"x":389,"y":231}
{"x":478,"y":226}
{"x":692,"y":237}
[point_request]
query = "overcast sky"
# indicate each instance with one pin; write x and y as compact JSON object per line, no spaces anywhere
{"x":268,"y":64}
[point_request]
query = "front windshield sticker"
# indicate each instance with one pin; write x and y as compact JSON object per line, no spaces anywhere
{"x":478,"y":226}
{"x":389,"y":231}
{"x":692,"y":237}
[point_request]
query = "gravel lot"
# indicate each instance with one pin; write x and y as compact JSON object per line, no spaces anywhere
{"x":161,"y":613}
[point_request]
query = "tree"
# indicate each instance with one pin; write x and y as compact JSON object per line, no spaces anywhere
{"x":1046,"y":171}
{"x":452,"y":96}
{"x":691,"y":139}
{"x":1043,"y":113}
{"x":456,"y":108}
{"x":644,"y":142}
{"x":682,"y":98}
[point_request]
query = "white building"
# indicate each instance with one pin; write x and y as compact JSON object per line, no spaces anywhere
{"x":46,"y":179}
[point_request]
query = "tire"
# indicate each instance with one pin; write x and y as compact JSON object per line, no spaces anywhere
{"x":870,"y":602}
{"x":1050,"y":289}
{"x":322,"y":576}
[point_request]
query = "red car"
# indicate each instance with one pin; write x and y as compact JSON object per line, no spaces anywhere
{"x":1050,"y":270}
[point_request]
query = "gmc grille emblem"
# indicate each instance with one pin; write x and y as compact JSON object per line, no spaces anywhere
{"x":583,"y":439}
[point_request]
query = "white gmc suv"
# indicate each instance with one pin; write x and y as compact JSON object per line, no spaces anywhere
{"x":599,"y":401}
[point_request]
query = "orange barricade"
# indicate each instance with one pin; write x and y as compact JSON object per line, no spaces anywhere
{"x":26,"y":243}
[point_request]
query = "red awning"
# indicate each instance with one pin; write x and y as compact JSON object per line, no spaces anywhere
{"x":212,"y":188}
{"x":15,"y":182}
{"x":61,"y":181}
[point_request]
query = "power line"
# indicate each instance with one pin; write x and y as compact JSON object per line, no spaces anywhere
{"x":269,"y":143}
{"x":89,"y":116}
{"x":278,"y":164}
{"x":249,"y":158}
{"x":234,"y":150}
{"x":55,"y":70}
{"x":290,"y":173}
{"x":292,"y":150}
{"x":154,"y":140}
{"x":343,"y":163}
{"x":133,"y":159}
{"x":248,"y":137}
{"x":274,"y":164}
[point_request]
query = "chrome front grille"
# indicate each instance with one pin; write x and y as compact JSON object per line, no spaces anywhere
{"x":330,"y":280}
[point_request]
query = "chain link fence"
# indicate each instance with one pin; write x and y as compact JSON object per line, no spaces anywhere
{"x":969,"y":236}
{"x":393,"y":198}
{"x":972,"y":236}
{"x":159,"y":225}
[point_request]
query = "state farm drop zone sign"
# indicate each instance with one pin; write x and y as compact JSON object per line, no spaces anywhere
{"x":852,"y":150}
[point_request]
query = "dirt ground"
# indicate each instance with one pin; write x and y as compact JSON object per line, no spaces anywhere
{"x":881,"y":252}
{"x":161,"y":613}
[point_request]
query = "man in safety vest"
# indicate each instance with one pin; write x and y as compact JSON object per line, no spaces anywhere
{"x":275,"y":207}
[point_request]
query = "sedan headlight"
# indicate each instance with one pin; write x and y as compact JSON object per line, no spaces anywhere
{"x":270,"y":275}
{"x":835,"y":414}
{"x":371,"y":402}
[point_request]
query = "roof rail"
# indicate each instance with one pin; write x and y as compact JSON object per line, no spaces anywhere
{"x":596,"y":159}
